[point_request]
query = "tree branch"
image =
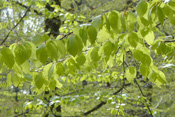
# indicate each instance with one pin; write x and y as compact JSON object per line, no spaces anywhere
{"x":65,"y":36}
{"x":27,"y":111}
{"x":26,"y":7}
{"x":103,"y":103}
{"x":143,"y":96}
{"x":15,"y":26}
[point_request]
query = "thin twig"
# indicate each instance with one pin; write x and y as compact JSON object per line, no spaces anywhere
{"x":26,"y":7}
{"x":65,"y":36}
{"x":103,"y":103}
{"x":169,"y":41}
{"x":15,"y":26}
{"x":143,"y":96}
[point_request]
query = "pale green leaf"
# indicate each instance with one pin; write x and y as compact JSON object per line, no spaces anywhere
{"x":150,"y":37}
{"x":130,"y":73}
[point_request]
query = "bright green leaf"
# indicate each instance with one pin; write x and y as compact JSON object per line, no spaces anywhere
{"x":60,"y":69}
{"x":42,"y":53}
{"x":133,"y":39}
{"x":21,"y":54}
{"x":83,"y":34}
{"x":150,"y":37}
{"x":81,"y":59}
{"x":113,"y":20}
{"x":52,"y":50}
{"x":8,"y":57}
{"x":92,"y":32}
{"x":141,"y":8}
{"x":144,"y":70}
{"x":108,"y":47}
{"x":61,"y":48}
{"x":94,"y":54}
{"x":130,"y":73}
{"x":73,"y":45}
{"x":39,"y":81}
{"x":160,"y":14}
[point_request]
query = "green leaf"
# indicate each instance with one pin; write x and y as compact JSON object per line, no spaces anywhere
{"x":123,"y":21}
{"x":73,"y":45}
{"x":144,"y":70}
{"x":155,"y":45}
{"x":141,"y":8}
{"x":45,"y":72}
{"x":37,"y":39}
{"x":144,"y":32}
{"x":58,"y":84}
{"x":161,"y":77}
{"x":113,"y":20}
{"x":167,"y":11}
{"x":81,"y":59}
{"x":41,"y":53}
{"x":153,"y":77}
{"x":45,"y":37}
{"x":60,"y":69}
{"x":61,"y":48}
{"x":94,"y":54}
{"x":130,"y":73}
{"x":150,"y":37}
{"x":25,"y":67}
{"x":92,"y":32}
{"x":133,"y":39}
{"x":9,"y":80}
{"x":52,"y":84}
{"x":83,"y":34}
{"x":161,"y":48}
{"x":28,"y":77}
{"x":138,"y":55}
{"x":146,"y":60}
{"x":108,"y":47}
{"x":107,"y":24}
{"x":21,"y":54}
{"x":7,"y":57}
{"x":97,"y":22}
{"x":152,"y":14}
{"x":144,"y":21}
{"x":160,"y":14}
{"x":131,"y":21}
{"x":51,"y":71}
{"x":52,"y":50}
{"x":15,"y":79}
{"x":28,"y":48}
{"x":39,"y":81}
{"x":33,"y":50}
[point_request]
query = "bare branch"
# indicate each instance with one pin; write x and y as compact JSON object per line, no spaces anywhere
{"x":26,"y":7}
{"x":143,"y":96}
{"x":15,"y":26}
{"x":103,"y":103}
